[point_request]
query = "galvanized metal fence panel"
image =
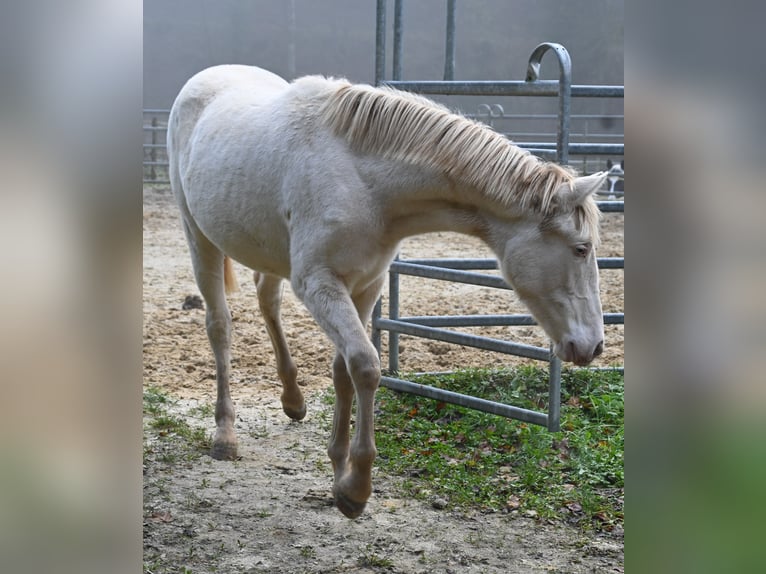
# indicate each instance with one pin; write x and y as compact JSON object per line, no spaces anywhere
{"x":155,"y":160}
{"x":462,"y":270}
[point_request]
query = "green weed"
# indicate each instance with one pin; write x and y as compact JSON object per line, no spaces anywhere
{"x":474,"y":459}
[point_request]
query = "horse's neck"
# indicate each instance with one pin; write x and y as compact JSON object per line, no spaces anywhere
{"x":418,"y":201}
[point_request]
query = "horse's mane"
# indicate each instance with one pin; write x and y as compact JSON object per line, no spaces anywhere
{"x":412,"y":128}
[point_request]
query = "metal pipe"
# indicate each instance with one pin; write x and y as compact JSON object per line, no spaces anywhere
{"x":380,"y":42}
{"x":449,"y":51}
{"x":398,"y":39}
{"x":405,"y":268}
{"x":554,"y":394}
{"x":564,"y":91}
{"x":421,"y":267}
{"x":477,"y":403}
{"x":455,"y":263}
{"x":576,"y":148}
{"x":544,"y":88}
{"x":471,"y":320}
{"x":393,"y":313}
{"x":492,"y":320}
{"x":376,"y":334}
{"x":466,"y":339}
{"x":611,"y":206}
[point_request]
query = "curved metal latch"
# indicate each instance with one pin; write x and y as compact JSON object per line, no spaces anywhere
{"x":565,"y":91}
{"x":565,"y":62}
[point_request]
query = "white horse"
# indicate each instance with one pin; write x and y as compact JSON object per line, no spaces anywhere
{"x":317,"y":181}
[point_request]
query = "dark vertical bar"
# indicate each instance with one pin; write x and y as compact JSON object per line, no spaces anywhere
{"x":153,"y":149}
{"x":554,"y":394}
{"x":449,"y":55}
{"x":376,"y":332}
{"x":393,"y":313}
{"x":565,"y":104}
{"x":380,"y":42}
{"x":564,"y":91}
{"x":398,"y":39}
{"x":291,"y":70}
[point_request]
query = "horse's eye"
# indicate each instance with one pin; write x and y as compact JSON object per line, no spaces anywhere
{"x":582,"y":250}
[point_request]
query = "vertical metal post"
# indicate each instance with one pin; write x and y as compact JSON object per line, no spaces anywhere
{"x":393,"y":313}
{"x":565,"y":105}
{"x":380,"y":42}
{"x":153,"y":149}
{"x":449,"y":55}
{"x":380,"y":75}
{"x":562,"y":156}
{"x":398,"y":40}
{"x":565,"y":92}
{"x":291,"y":40}
{"x":376,"y":332}
{"x":554,"y":394}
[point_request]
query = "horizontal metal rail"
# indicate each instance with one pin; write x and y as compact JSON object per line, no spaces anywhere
{"x":485,"y":264}
{"x":466,"y":339}
{"x":576,"y":148}
{"x":544,"y":88}
{"x":487,"y":111}
{"x":477,"y":403}
{"x":611,"y":206}
{"x":492,"y":320}
{"x":458,"y":276}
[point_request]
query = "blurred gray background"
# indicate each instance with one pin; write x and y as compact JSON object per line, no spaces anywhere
{"x":292,"y":38}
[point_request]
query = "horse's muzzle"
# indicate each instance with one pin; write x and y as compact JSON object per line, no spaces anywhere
{"x":573,"y":353}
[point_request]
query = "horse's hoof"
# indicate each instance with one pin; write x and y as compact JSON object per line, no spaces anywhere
{"x":350,"y":508}
{"x":295,"y":414}
{"x":224,"y":451}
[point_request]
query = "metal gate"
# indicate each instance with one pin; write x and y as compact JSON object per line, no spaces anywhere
{"x":463,"y":270}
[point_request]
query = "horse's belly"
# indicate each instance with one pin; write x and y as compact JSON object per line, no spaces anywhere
{"x":262,"y":256}
{"x":261,"y":244}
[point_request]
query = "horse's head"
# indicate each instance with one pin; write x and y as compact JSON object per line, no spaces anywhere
{"x":550,"y":260}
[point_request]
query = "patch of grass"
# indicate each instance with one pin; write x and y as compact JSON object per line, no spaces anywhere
{"x":155,"y":401}
{"x":475,"y":459}
{"x":168,"y":437}
{"x":370,"y":559}
{"x":308,"y":552}
{"x":203,"y":411}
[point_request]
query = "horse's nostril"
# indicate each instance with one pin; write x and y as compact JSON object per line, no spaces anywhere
{"x":599,"y":349}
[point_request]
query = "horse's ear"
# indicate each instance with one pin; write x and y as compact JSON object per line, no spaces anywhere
{"x":609,"y":164}
{"x":584,"y":186}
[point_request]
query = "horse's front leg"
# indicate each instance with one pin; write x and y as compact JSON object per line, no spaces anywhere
{"x":356,"y":370}
{"x":338,"y":449}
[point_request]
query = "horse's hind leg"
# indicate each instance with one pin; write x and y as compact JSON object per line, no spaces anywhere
{"x":269,"y":300}
{"x":208,"y":263}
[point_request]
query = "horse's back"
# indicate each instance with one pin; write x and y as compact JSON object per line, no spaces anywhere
{"x":212,"y":83}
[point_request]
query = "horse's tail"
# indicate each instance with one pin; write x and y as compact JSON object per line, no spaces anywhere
{"x":230,"y":283}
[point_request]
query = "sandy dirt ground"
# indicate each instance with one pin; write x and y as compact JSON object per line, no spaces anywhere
{"x":271,"y":511}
